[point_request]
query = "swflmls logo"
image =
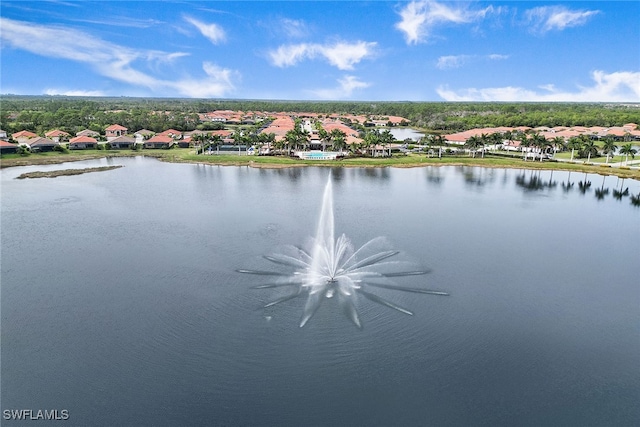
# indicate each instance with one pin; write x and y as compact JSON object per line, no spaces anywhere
{"x":30,"y":414}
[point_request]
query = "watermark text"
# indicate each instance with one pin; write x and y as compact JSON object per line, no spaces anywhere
{"x":35,"y":414}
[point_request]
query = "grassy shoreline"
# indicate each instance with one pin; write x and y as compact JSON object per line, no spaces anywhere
{"x":188,"y":156}
{"x":66,"y":172}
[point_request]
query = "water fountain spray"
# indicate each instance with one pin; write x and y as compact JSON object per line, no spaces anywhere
{"x":330,"y":267}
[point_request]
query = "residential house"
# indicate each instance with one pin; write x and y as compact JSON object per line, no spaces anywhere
{"x":115,"y":131}
{"x":159,"y":141}
{"x":7,"y":147}
{"x":88,"y":132}
{"x":122,"y":142}
{"x":23,"y":136}
{"x":42,"y":144}
{"x":57,"y":135}
{"x":184,"y":143}
{"x":172,"y":133}
{"x":3,"y":135}
{"x":82,"y":142}
{"x":143,"y":134}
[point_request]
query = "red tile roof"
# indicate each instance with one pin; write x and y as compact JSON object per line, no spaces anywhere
{"x":87,"y":132}
{"x":160,"y":138}
{"x":116,"y":127}
{"x":83,"y":139}
{"x":56,"y":132}
{"x":23,"y":134}
{"x":170,"y":132}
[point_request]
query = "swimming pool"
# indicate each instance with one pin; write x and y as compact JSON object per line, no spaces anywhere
{"x":318,"y":155}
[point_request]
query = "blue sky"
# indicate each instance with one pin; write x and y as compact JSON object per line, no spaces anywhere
{"x":324,"y":50}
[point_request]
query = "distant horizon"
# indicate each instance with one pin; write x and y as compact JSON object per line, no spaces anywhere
{"x":510,"y":51}
{"x":315,"y":101}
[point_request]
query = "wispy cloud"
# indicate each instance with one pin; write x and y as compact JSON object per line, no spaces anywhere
{"x":457,"y":61}
{"x":620,"y":86}
{"x":65,"y":92}
{"x":294,"y":28}
{"x":344,"y":90}
{"x":419,"y":17}
{"x":452,"y":61}
{"x":120,"y":21}
{"x":548,"y":18}
{"x":114,"y":61}
{"x":342,"y":55}
{"x":212,"y":31}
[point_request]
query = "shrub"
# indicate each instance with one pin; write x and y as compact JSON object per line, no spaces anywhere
{"x":61,"y":149}
{"x":23,"y":151}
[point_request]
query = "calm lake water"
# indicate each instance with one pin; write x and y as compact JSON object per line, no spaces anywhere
{"x":121,"y":303}
{"x":405,"y":133}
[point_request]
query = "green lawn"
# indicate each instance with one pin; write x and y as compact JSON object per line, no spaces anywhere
{"x":566,"y":155}
{"x":188,"y":155}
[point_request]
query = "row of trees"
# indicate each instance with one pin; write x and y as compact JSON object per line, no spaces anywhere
{"x":299,"y":139}
{"x":40,"y":114}
{"x":533,"y":142}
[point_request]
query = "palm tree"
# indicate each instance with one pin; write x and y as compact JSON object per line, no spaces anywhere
{"x":525,"y":142}
{"x":628,"y":150}
{"x":290,"y":138}
{"x":371,"y":139}
{"x":325,"y":137}
{"x":539,"y":142}
{"x":303,"y":138}
{"x":202,"y":138}
{"x":267,"y":139}
{"x":238,"y":138}
{"x":386,"y":138}
{"x":484,"y":139}
{"x":440,"y":141}
{"x":508,"y":135}
{"x":558,"y":142}
{"x":339,"y":139}
{"x":575,"y":144}
{"x":589,"y":148}
{"x":216,"y":140}
{"x":609,"y":146}
{"x":473,"y":144}
{"x":278,"y":145}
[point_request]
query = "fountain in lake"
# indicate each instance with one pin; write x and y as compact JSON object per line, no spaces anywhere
{"x":330,"y":268}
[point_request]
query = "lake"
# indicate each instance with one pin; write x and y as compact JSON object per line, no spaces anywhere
{"x":121,"y":302}
{"x":401,"y":134}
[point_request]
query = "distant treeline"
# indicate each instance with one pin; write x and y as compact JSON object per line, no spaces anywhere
{"x":43,"y":113}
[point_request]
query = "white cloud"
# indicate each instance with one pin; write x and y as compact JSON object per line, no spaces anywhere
{"x":620,"y":86}
{"x":341,"y":55}
{"x":120,"y":21}
{"x":64,"y":92}
{"x":346,"y":55}
{"x":288,"y":55}
{"x":452,"y":61}
{"x":497,"y":56}
{"x":457,"y":61}
{"x":344,"y":90}
{"x":111,"y":60}
{"x":419,"y":17}
{"x":218,"y":81}
{"x":212,"y":31}
{"x":547,"y":18}
{"x":294,"y":28}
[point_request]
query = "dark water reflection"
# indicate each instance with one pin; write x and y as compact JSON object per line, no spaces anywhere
{"x":120,"y":301}
{"x":533,"y":181}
